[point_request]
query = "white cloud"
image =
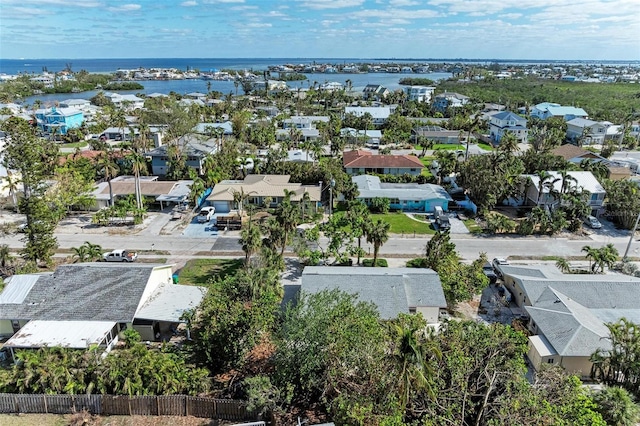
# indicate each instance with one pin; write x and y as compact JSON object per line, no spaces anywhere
{"x":396,"y":14}
{"x":190,"y":3}
{"x":403,"y":3}
{"x":24,"y":12}
{"x":129,"y":7}
{"x":62,"y":3}
{"x":222,"y":1}
{"x":257,"y":25}
{"x":331,"y":4}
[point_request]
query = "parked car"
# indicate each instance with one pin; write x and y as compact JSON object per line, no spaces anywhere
{"x":593,"y":222}
{"x":442,"y":218}
{"x":490,"y":273}
{"x":120,"y":256}
{"x":497,"y":262}
{"x":205,"y":215}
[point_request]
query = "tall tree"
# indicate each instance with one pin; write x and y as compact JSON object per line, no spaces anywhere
{"x":377,"y":234}
{"x":33,"y":159}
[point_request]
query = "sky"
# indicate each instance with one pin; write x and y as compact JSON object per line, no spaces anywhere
{"x":443,"y":29}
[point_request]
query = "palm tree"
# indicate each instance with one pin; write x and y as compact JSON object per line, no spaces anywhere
{"x":377,"y":234}
{"x":563,"y":265}
{"x":80,"y":254}
{"x":591,"y":254}
{"x":508,"y":142}
{"x":251,"y":241}
{"x":109,"y":170}
{"x":12,"y":185}
{"x":304,"y":199}
{"x":412,"y":355}
{"x":5,"y":256}
{"x":607,"y":256}
{"x":93,"y":251}
{"x":287,"y":218}
{"x":359,"y":220}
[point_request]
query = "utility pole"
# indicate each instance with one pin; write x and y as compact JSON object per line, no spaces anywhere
{"x":331,"y":185}
{"x":633,"y":233}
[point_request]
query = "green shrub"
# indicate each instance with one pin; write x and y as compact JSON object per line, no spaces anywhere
{"x":380,"y":262}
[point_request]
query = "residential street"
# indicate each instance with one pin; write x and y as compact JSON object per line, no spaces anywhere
{"x":172,"y":241}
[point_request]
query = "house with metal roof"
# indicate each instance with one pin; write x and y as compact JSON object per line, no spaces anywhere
{"x":419,"y":93}
{"x":58,"y":120}
{"x":438,"y":134}
{"x":375,"y":92}
{"x":506,"y":121}
{"x":549,"y":109}
{"x":392,"y":290}
{"x":359,"y":162}
{"x":166,"y":193}
{"x":257,"y":188}
{"x":568,"y":313}
{"x":89,"y":304}
{"x":546,"y":193}
{"x":588,"y":132}
{"x":413,"y":197}
{"x":446,"y":100}
{"x":379,"y":115}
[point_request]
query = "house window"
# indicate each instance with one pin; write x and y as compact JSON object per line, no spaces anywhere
{"x":550,"y":361}
{"x":594,"y":197}
{"x":412,"y":310}
{"x":413,"y":170}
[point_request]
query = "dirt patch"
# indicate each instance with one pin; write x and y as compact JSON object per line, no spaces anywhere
{"x":89,"y":420}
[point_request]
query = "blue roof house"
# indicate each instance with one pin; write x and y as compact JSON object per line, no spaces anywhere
{"x":58,"y":120}
{"x":402,"y":196}
{"x":507,"y":121}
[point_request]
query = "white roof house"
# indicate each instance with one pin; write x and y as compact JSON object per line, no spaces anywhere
{"x":579,"y":180}
{"x":380,"y":115}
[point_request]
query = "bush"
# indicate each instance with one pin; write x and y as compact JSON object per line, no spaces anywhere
{"x":380,"y":262}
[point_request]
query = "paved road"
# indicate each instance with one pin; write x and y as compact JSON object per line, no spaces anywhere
{"x":397,"y":246}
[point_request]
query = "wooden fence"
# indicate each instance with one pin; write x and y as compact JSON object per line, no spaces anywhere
{"x":166,"y":405}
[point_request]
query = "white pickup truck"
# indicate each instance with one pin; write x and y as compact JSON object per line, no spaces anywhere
{"x":205,"y":215}
{"x":120,"y":256}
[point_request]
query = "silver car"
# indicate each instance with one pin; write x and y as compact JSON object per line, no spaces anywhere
{"x":593,"y":222}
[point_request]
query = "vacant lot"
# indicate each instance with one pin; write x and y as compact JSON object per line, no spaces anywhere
{"x":200,"y":271}
{"x":402,"y":224}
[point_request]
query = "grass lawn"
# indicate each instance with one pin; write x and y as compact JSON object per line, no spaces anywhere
{"x":486,"y":146}
{"x":198,"y":271}
{"x":81,"y":144}
{"x":472,"y":226}
{"x":401,"y":224}
{"x":450,"y":146}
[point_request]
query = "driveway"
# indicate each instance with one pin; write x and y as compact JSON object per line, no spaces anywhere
{"x":457,"y":226}
{"x":200,"y":230}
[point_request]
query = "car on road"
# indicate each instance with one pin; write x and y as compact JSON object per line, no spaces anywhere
{"x":120,"y":256}
{"x":593,"y":222}
{"x":490,"y":273}
{"x":205,"y":215}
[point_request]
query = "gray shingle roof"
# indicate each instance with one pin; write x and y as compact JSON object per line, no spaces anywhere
{"x":572,"y":329}
{"x":84,"y":292}
{"x":571,"y":310}
{"x":393,"y":290}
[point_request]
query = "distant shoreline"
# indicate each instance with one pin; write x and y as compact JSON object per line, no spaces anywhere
{"x":430,"y":60}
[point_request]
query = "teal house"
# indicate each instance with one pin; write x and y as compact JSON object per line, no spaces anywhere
{"x":58,"y":120}
{"x":412,"y":197}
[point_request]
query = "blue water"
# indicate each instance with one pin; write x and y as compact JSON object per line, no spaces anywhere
{"x":15,"y":66}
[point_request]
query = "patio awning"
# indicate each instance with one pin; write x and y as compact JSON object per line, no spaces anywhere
{"x":170,"y":301}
